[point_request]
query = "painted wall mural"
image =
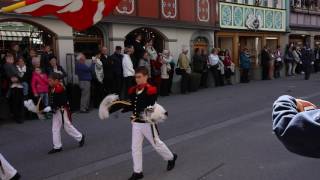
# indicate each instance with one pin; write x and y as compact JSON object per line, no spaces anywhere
{"x":126,"y":7}
{"x":169,"y":9}
{"x":234,"y":16}
{"x":203,"y":9}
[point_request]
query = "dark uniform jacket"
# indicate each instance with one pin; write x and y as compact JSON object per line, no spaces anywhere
{"x":298,"y":131}
{"x":58,"y":97}
{"x":141,"y":97}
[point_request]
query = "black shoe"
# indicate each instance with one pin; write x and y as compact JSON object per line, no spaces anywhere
{"x":136,"y":176}
{"x":81,"y":143}
{"x":172,"y":162}
{"x":16,"y":177}
{"x":53,"y":151}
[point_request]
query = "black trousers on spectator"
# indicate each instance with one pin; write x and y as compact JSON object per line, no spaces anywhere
{"x":204,"y":79}
{"x":171,"y":74}
{"x":244,"y":76}
{"x":16,"y":104}
{"x":277,"y":69}
{"x":227,"y":75}
{"x":307,"y":68}
{"x":128,"y":82}
{"x":216,"y":75}
{"x":118,"y":82}
{"x":98,"y":93}
{"x":265,"y":72}
{"x":317,"y":65}
{"x":108,"y":83}
{"x":164,"y":87}
{"x":185,"y":79}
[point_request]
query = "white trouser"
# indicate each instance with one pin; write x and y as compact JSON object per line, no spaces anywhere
{"x":68,"y":127}
{"x":6,"y":170}
{"x":139,"y":131}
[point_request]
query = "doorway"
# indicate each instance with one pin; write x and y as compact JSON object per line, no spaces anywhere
{"x":254,"y":46}
{"x":147,"y":33}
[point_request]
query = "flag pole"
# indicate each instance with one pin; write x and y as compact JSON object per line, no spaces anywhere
{"x":13,"y":7}
{"x":18,"y":5}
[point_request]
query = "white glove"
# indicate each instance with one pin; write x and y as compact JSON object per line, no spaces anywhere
{"x":47,"y":109}
{"x":312,"y":63}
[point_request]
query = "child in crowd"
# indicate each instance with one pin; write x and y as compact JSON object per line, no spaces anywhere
{"x":40,"y":85}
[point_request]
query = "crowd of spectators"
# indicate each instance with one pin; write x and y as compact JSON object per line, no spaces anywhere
{"x":24,"y":74}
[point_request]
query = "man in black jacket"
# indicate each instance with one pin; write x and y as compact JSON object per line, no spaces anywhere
{"x":46,"y":56}
{"x":138,"y":50}
{"x":307,"y":58}
{"x":108,"y":64}
{"x":265,"y":63}
{"x":116,"y":58}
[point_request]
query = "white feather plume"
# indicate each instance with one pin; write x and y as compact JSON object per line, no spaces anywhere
{"x":30,"y":106}
{"x":155,"y":114}
{"x":105,"y":104}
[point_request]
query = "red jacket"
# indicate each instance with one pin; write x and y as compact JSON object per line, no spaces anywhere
{"x":39,"y":83}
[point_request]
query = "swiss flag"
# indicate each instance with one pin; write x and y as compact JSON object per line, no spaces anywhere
{"x":79,"y":14}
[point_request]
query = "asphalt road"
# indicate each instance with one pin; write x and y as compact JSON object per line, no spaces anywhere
{"x":219,"y":133}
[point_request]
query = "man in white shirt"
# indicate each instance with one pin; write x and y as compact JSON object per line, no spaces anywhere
{"x":128,"y":71}
{"x":214,"y":65}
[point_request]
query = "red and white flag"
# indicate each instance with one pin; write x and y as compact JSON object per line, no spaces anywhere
{"x":79,"y":14}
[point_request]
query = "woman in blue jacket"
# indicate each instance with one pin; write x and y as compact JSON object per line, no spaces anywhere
{"x":245,"y":64}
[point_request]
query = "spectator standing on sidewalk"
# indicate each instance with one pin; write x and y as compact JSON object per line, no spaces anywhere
{"x":307,"y":58}
{"x":117,"y":70}
{"x":296,"y":60}
{"x":145,"y":62}
{"x":128,"y":70}
{"x":184,"y":65}
{"x":138,"y":50}
{"x":165,"y":70}
{"x":108,"y":78}
{"x":45,"y":58}
{"x":290,"y":60}
{"x":317,"y":59}
{"x":24,"y":74}
{"x":229,"y":67}
{"x":265,"y":63}
{"x":214,"y":65}
{"x":84,"y":73}
{"x":245,"y":64}
{"x":56,"y":68}
{"x":278,"y":63}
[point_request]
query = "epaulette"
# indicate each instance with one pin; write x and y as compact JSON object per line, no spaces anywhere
{"x":151,"y":90}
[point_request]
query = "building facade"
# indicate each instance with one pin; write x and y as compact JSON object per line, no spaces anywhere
{"x":251,"y":24}
{"x":171,"y":23}
{"x":305,"y":22}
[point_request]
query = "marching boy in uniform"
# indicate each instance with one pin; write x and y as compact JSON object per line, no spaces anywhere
{"x":146,"y":114}
{"x":143,"y":96}
{"x":61,"y":114}
{"x":7,"y":172}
